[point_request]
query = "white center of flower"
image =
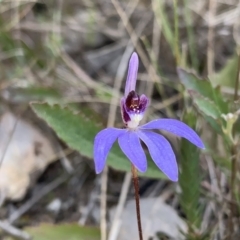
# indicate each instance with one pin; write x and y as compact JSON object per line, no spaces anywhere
{"x":135,"y":120}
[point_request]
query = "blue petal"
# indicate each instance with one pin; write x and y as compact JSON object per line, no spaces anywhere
{"x":102,"y":144}
{"x":132,"y":74}
{"x":176,"y":127}
{"x":161,"y":153}
{"x":131,"y":147}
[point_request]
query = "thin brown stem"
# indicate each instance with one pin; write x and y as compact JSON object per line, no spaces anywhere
{"x":232,"y":184}
{"x":211,"y":24}
{"x":136,"y":188}
{"x":237,"y":78}
{"x":234,"y":162}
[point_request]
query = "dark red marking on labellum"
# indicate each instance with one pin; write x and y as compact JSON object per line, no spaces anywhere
{"x":132,"y":102}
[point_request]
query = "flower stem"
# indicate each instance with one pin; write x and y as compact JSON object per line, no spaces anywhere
{"x":136,"y":188}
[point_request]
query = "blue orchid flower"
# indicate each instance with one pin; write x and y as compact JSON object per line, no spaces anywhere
{"x":129,"y":139}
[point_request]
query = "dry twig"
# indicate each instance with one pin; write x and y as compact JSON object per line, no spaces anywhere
{"x":210,"y":49}
{"x":13,"y":231}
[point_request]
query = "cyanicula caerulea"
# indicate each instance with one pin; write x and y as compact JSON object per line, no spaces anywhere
{"x":133,"y":107}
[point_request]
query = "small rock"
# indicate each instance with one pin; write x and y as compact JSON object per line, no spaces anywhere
{"x":25,"y":153}
{"x":55,"y":206}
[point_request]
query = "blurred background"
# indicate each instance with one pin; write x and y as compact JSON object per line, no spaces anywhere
{"x":62,"y":73}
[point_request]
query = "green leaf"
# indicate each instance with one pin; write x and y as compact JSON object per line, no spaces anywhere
{"x":207,"y":107}
{"x":79,"y":130}
{"x":211,"y":113}
{"x":63,"y":232}
{"x":226,"y":76}
{"x":189,"y":178}
{"x":215,"y":124}
{"x":203,"y":87}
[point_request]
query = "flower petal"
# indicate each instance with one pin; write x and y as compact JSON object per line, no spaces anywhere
{"x":176,"y":127}
{"x":102,"y":144}
{"x":125,"y":116}
{"x":132,"y":74}
{"x":161,"y":153}
{"x":132,"y":148}
{"x":144,"y":101}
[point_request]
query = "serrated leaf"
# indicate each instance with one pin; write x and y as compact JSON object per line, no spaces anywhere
{"x":79,"y":131}
{"x":207,"y":107}
{"x":63,"y":232}
{"x":204,"y":88}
